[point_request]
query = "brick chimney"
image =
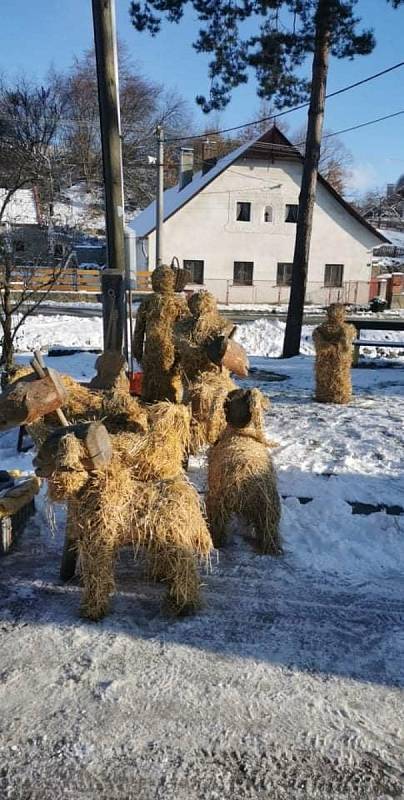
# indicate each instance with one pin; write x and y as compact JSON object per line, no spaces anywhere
{"x":209,"y":155}
{"x":186,"y":166}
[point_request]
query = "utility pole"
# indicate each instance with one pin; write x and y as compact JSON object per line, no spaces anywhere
{"x":160,"y":195}
{"x":112,"y":279}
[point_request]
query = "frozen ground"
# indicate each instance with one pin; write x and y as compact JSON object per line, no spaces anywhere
{"x":288,"y":683}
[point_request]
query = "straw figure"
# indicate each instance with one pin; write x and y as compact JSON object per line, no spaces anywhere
{"x":115,"y":407}
{"x":194,"y":334}
{"x":241,"y":475}
{"x":153,"y":342}
{"x":141,"y":498}
{"x":333,"y":343}
{"x":206,"y":383}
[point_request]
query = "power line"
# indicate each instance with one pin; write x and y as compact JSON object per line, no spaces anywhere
{"x":288,"y":110}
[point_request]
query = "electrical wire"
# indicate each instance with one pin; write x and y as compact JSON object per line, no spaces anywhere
{"x":288,"y":110}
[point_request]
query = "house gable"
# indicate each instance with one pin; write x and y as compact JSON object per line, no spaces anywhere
{"x":271,"y":146}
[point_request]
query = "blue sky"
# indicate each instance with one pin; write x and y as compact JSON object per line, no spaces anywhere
{"x":35,"y":35}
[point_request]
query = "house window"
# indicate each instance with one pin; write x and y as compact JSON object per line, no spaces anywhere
{"x":333,"y":274}
{"x":268,"y":214}
{"x":19,"y":246}
{"x":243,"y":273}
{"x":291,"y":213}
{"x":243,"y":212}
{"x":196,"y":270}
{"x":284,"y":274}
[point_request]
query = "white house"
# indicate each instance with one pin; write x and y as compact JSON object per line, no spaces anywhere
{"x":234,"y":223}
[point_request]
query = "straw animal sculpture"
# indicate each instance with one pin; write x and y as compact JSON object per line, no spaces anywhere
{"x":124,"y":503}
{"x":333,"y":343}
{"x":241,"y":475}
{"x":153,"y":341}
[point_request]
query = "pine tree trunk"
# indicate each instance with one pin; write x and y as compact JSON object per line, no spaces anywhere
{"x":291,"y":345}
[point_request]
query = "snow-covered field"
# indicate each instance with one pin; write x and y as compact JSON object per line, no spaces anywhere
{"x":287,"y":684}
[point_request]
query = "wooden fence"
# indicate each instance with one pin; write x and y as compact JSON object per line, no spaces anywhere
{"x":37,"y":279}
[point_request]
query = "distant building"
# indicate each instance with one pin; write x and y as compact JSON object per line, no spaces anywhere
{"x":233,"y":225}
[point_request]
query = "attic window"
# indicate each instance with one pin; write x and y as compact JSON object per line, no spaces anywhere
{"x":291,"y":213}
{"x":268,"y":214}
{"x":243,"y":212}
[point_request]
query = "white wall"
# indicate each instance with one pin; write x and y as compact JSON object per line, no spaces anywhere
{"x":206,"y":229}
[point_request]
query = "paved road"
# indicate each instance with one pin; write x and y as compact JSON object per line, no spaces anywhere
{"x":240,"y":316}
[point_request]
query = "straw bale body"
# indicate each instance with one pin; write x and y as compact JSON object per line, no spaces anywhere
{"x":242,"y":481}
{"x":162,"y":518}
{"x":141,"y":498}
{"x":153,"y":343}
{"x":333,"y":344}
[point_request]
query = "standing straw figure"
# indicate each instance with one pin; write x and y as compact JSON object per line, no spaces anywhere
{"x":153,"y":342}
{"x":333,"y":343}
{"x":194,"y":334}
{"x":206,"y":382}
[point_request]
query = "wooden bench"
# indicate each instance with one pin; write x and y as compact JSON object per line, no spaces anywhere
{"x":358,"y":343}
{"x":366,"y":323}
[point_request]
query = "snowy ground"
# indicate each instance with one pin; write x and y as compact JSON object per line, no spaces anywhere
{"x":288,"y":683}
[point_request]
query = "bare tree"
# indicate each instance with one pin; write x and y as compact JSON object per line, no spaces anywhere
{"x":144,"y":105}
{"x":29,"y":124}
{"x":335,"y":159}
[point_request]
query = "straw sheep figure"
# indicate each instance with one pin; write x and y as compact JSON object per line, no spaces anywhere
{"x":333,"y":344}
{"x":207,"y":383}
{"x":153,"y":341}
{"x":140,"y":498}
{"x":241,"y":475}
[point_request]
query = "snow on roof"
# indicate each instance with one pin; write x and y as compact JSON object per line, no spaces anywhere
{"x":395,"y":237}
{"x":175,"y":197}
{"x":21,"y":209}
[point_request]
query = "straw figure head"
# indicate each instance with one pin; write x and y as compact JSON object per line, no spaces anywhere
{"x":336,"y":313}
{"x":241,"y":475}
{"x":163,"y":280}
{"x":202,"y":303}
{"x":69,"y":474}
{"x":333,"y":344}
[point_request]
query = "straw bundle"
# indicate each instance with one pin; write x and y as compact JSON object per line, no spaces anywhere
{"x":160,"y":453}
{"x":242,"y":480}
{"x":70,"y":475}
{"x":153,"y":343}
{"x":207,"y":395}
{"x":333,"y":343}
{"x":192,"y":335}
{"x":120,"y":411}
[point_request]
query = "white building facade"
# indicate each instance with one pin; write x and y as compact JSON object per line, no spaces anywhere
{"x":234,"y":227}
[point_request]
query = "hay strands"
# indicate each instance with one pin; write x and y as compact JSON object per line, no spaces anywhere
{"x":94,"y":448}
